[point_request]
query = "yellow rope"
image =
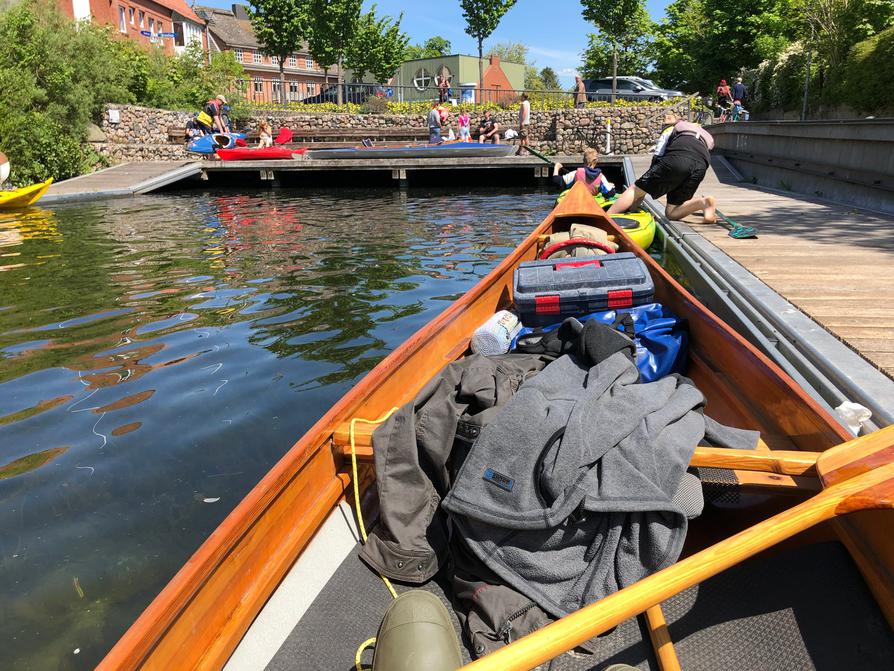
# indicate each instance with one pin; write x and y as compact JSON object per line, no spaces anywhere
{"x":358,"y":665}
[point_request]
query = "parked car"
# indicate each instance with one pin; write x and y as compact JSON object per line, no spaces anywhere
{"x":629,"y":88}
{"x":354,"y":93}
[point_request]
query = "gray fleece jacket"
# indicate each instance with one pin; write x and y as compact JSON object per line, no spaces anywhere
{"x":567,"y":493}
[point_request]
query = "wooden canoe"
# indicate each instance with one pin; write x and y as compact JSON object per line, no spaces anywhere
{"x":200,"y":616}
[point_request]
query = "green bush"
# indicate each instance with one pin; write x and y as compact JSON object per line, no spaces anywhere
{"x":867,"y":76}
{"x":56,"y":77}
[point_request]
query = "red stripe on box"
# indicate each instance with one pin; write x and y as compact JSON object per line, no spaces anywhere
{"x":546,"y":305}
{"x":622,"y":298}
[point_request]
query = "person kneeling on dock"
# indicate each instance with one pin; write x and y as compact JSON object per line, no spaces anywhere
{"x":682,"y":157}
{"x":592,"y":177}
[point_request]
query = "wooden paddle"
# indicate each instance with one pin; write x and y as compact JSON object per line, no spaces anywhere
{"x":857,"y":475}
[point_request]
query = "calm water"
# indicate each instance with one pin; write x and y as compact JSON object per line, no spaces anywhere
{"x":158,"y":355}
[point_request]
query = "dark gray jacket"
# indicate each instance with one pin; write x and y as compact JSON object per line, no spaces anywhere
{"x":421,"y":446}
{"x":567,"y":495}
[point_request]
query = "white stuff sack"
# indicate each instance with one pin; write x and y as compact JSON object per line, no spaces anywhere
{"x":495,"y":335}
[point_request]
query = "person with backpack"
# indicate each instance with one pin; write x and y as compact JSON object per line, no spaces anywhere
{"x":591,"y":176}
{"x":682,"y":157}
{"x":211,"y":116}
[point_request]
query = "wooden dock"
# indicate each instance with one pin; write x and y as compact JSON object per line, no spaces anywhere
{"x":127,"y":179}
{"x":834,"y":262}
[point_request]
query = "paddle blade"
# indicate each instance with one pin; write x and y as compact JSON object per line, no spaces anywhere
{"x":240,"y":142}
{"x":284,"y":136}
{"x":743,"y":232}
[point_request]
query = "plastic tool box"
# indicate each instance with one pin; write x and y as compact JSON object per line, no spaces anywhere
{"x":546,"y":292}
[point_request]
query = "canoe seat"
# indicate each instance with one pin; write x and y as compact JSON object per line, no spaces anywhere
{"x":777,"y":612}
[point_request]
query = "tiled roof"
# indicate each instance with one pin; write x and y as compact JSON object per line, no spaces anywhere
{"x":181,"y":8}
{"x":228,"y":29}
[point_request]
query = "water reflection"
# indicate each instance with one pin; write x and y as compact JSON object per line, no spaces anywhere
{"x":157,"y":356}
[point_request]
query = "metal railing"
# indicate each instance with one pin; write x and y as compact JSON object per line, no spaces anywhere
{"x":296,"y":93}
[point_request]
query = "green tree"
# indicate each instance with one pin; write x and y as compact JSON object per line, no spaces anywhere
{"x":54,"y":80}
{"x":281,"y":27}
{"x":625,"y":31}
{"x":702,"y":41}
{"x":550,"y":79}
{"x":432,"y":48}
{"x":837,"y":25}
{"x":378,"y":47}
{"x":333,"y":24}
{"x":482,"y":18}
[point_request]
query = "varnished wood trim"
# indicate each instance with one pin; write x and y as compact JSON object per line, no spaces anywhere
{"x":661,"y":640}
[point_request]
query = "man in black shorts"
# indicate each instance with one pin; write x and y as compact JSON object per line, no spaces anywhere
{"x":682,"y":157}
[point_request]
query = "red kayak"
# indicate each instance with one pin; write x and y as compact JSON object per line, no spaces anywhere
{"x":258,"y":153}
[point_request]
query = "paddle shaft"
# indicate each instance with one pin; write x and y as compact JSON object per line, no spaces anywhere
{"x":540,"y":646}
{"x":541,"y":156}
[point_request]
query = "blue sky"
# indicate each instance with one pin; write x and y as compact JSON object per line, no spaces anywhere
{"x":554,"y":31}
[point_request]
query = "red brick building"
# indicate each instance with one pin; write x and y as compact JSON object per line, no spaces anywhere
{"x":230,"y":30}
{"x":143,"y":20}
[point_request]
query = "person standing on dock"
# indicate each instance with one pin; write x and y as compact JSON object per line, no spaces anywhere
{"x":434,"y":124}
{"x":524,"y":123}
{"x":580,"y":93}
{"x":739,"y":91}
{"x":682,"y":157}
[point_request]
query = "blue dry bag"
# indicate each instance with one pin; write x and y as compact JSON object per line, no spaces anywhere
{"x":659,"y":336}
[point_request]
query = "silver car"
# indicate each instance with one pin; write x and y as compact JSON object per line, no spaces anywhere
{"x":629,"y":88}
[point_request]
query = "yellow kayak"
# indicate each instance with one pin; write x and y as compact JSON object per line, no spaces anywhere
{"x":640,"y":226}
{"x":27,"y":195}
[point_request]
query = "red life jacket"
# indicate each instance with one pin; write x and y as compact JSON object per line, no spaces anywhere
{"x":580,"y":175}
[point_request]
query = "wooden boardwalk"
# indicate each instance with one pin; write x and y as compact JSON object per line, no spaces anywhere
{"x":126,"y":179}
{"x":834,"y":262}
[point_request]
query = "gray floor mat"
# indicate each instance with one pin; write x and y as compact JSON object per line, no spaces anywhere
{"x":803,"y":609}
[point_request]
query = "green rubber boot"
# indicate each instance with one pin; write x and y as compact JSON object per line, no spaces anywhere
{"x":417,"y":633}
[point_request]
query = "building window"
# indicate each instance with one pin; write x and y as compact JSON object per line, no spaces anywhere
{"x":122,"y":19}
{"x":274,"y":60}
{"x":179,"y":40}
{"x":160,"y":27}
{"x":142,"y":19}
{"x":152,"y":25}
{"x":309,"y":63}
{"x":239,"y":55}
{"x":293,"y":61}
{"x":259,"y":86}
{"x":311,"y":88}
{"x":131,"y":15}
{"x":293,"y":90}
{"x":422,"y":79}
{"x":257,"y":57}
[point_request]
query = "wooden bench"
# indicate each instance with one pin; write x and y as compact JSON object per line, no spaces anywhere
{"x":177,"y":134}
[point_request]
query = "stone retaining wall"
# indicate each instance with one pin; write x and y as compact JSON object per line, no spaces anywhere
{"x":141,"y":134}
